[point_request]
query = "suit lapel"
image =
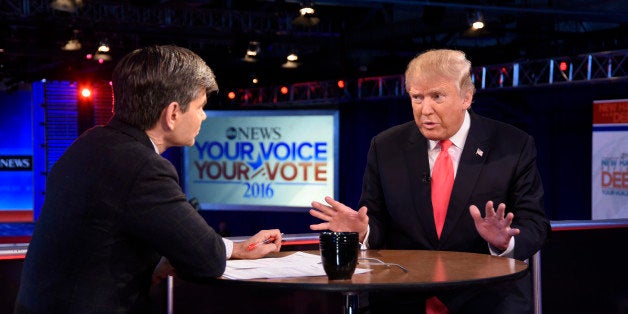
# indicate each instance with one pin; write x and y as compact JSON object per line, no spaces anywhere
{"x":419,"y":173}
{"x":474,"y":153}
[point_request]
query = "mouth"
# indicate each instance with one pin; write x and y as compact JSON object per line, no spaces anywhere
{"x":429,"y":124}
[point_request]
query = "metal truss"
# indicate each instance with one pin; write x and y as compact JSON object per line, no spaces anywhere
{"x":588,"y":67}
{"x":160,"y":17}
{"x":594,"y":66}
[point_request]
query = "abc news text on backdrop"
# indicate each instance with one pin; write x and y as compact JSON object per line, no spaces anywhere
{"x":609,"y":169}
{"x":263,"y":159}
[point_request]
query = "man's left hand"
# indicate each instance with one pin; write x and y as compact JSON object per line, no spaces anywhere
{"x":494,"y":227}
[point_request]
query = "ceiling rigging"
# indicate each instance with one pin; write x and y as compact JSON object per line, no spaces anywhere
{"x":342,"y":39}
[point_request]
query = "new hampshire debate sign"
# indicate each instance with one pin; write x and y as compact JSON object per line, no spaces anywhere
{"x":263,"y":159}
{"x":609,"y":169}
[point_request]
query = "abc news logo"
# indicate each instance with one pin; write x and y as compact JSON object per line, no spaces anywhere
{"x":253,"y":133}
{"x":16,"y":163}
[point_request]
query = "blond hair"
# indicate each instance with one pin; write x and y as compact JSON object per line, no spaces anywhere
{"x":449,"y":63}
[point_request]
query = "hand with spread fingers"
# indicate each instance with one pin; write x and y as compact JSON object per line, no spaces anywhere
{"x":339,"y":217}
{"x":494,"y":227}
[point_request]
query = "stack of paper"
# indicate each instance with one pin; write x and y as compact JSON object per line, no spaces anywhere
{"x":298,"y":264}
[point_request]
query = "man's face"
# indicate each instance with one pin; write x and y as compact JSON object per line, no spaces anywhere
{"x":437,"y":106}
{"x":189,"y":126}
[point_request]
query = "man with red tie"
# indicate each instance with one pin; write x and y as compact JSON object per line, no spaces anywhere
{"x":427,"y":180}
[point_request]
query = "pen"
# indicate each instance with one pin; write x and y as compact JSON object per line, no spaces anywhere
{"x":254,"y":245}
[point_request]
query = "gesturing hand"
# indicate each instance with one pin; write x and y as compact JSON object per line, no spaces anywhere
{"x":339,"y":217}
{"x":494,"y":227}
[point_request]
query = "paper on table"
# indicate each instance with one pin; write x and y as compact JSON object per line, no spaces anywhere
{"x":298,"y":264}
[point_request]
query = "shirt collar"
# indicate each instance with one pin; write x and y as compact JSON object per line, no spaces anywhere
{"x":460,"y":137}
{"x":154,"y":146}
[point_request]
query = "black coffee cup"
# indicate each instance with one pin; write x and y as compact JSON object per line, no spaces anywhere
{"x":339,"y":253}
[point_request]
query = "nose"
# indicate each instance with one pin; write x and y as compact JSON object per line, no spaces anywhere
{"x":427,"y":107}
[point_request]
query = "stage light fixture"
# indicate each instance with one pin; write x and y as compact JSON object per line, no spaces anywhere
{"x":477,"y":20}
{"x":72,"y":45}
{"x":252,"y":51}
{"x":307,"y":10}
{"x":103,"y":46}
{"x":293,"y":57}
{"x":291,"y":61}
{"x":66,"y":5}
{"x":101,"y":57}
{"x":307,"y":15}
{"x":102,"y":53}
{"x":86,"y":92}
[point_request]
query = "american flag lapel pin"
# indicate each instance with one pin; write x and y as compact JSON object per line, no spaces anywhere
{"x":479,"y":152}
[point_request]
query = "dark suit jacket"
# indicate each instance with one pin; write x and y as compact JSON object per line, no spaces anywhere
{"x":498,"y":163}
{"x":113,"y":206}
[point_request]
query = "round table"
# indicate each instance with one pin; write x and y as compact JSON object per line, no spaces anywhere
{"x":425,"y":271}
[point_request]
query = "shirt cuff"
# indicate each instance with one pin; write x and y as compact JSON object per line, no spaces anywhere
{"x":509,"y":252}
{"x":228,"y":247}
{"x":365,"y":245}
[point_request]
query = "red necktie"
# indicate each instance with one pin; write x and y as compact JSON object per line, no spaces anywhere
{"x":433,"y":305}
{"x":442,"y":183}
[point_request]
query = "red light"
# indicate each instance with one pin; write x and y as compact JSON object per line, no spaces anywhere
{"x":89,"y":56}
{"x":231,"y":95}
{"x":562,"y":66}
{"x":86,"y":92}
{"x":284,"y":90}
{"x":341,"y":84}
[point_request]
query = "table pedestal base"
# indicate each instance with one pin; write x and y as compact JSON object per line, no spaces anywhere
{"x":352,"y":303}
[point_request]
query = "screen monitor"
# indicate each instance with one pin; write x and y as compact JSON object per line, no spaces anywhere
{"x":267,"y":160}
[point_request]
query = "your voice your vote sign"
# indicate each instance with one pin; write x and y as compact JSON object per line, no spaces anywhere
{"x":263,"y":159}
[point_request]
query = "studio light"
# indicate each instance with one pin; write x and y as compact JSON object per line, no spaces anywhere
{"x":307,"y":15}
{"x":102,"y":53}
{"x":307,"y":11}
{"x":477,"y":20}
{"x":73,"y":44}
{"x":291,"y":61}
{"x":252,"y":51}
{"x":86,"y":92}
{"x":290,"y":65}
{"x":103,"y":46}
{"x":293,"y":57}
{"x":66,"y":5}
{"x":101,"y":57}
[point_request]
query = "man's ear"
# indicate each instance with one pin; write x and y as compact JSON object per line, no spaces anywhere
{"x":172,"y":113}
{"x":468,"y":98}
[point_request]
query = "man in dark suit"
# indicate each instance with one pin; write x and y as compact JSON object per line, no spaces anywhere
{"x":494,"y":168}
{"x":114,"y":217}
